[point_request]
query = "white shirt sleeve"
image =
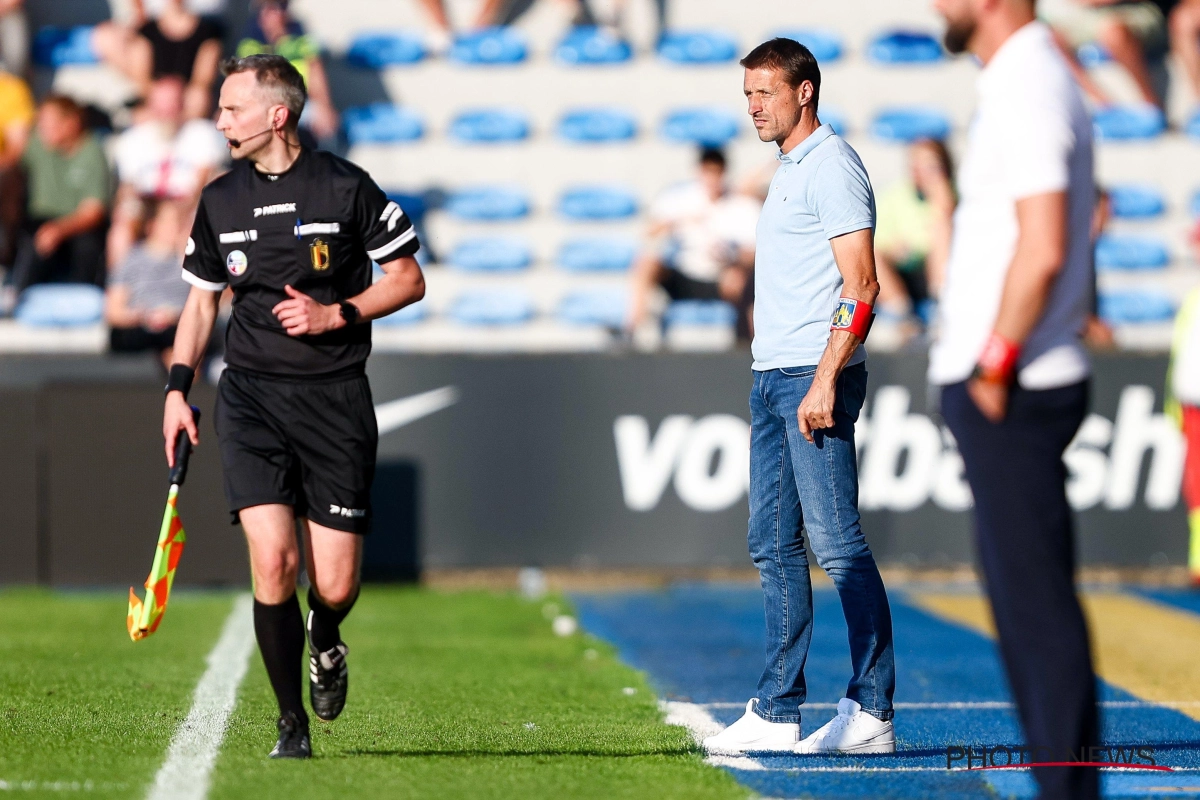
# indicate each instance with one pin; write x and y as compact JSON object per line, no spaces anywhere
{"x":1038,"y":155}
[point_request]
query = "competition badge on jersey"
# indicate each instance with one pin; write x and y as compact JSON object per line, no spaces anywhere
{"x":319,"y":252}
{"x":236,"y":263}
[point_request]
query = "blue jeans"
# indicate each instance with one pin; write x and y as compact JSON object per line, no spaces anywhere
{"x":796,"y":488}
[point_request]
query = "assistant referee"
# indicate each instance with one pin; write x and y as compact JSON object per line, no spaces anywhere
{"x":293,"y":232}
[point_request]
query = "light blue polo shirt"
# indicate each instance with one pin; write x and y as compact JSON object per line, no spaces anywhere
{"x":820,"y":191}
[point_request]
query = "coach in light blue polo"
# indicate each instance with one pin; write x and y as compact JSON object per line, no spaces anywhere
{"x":814,"y":256}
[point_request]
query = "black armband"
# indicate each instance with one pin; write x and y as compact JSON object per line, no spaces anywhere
{"x":180,"y":379}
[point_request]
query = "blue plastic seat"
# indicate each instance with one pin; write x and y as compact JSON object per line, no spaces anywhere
{"x":491,"y":307}
{"x":606,"y":307}
{"x":1192,"y":126}
{"x":711,"y":127}
{"x":1128,"y":252}
{"x":1124,"y":123}
{"x":1133,"y":201}
{"x":904,"y":47}
{"x":61,"y":305}
{"x":489,"y":203}
{"x":592,"y":254}
{"x":597,"y":203}
{"x":1194,"y":204}
{"x":409,"y":315}
{"x":490,"y":125}
{"x":489,"y":47}
{"x":910,"y":124}
{"x":835,"y":117}
{"x":57,"y":47}
{"x":379,"y":50}
{"x":414,"y":205}
{"x":382,"y":122}
{"x":825,"y":45}
{"x":697,"y":47}
{"x":1133,"y":306}
{"x":591,"y":45}
{"x":491,"y":254}
{"x":1092,"y":55}
{"x":593,"y":125}
{"x":700,"y":312}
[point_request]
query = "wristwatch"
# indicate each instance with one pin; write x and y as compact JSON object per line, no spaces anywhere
{"x":350,"y":312}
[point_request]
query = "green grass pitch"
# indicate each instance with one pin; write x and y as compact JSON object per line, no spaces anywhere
{"x":451,"y":695}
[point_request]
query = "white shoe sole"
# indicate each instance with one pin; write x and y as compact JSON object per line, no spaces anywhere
{"x":864,"y":748}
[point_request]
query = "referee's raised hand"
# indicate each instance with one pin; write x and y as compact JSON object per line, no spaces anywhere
{"x":301,"y":315}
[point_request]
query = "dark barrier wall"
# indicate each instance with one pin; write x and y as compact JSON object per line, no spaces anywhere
{"x":550,"y":460}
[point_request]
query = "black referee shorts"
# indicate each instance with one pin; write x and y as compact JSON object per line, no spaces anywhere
{"x":306,"y":444}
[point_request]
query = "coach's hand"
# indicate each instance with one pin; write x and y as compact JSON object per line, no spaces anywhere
{"x":990,"y":398}
{"x":177,"y":416}
{"x":816,"y":409}
{"x":301,"y":315}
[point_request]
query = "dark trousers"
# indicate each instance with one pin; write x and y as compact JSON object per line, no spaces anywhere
{"x":79,"y":259}
{"x":1024,"y":534}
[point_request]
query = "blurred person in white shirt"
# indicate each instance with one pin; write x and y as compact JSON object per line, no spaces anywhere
{"x":702,"y":242}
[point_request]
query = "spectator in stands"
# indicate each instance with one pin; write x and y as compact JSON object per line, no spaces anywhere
{"x":1098,"y":334}
{"x":175,"y":41}
{"x":161,"y":156}
{"x":442,"y":37}
{"x":702,"y":242}
{"x":68,"y":195}
{"x":145,"y":294}
{"x":14,"y":37}
{"x":912,"y":232}
{"x":1184,"y":25}
{"x":273,"y":30}
{"x":1127,"y":29}
{"x":16,"y":121}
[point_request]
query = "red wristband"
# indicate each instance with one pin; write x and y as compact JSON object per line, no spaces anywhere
{"x":998,"y":361}
{"x":854,"y":316}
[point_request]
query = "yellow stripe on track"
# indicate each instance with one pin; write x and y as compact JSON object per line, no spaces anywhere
{"x":1150,"y":650}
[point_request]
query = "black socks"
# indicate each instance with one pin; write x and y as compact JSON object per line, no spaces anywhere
{"x":323,"y":622}
{"x":280,"y":633}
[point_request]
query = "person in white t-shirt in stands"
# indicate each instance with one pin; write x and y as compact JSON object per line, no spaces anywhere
{"x":702,"y":243}
{"x":1013,"y":372}
{"x":161,"y":156}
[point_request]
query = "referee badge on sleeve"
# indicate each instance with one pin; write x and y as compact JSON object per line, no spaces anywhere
{"x":319,"y":252}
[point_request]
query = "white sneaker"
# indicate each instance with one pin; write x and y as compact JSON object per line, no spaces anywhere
{"x":851,"y":731}
{"x":752,"y":733}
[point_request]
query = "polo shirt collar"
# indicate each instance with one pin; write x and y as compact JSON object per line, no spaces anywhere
{"x":805,"y":147}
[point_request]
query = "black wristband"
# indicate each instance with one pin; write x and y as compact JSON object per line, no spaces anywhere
{"x":350,"y":312}
{"x":180,"y":379}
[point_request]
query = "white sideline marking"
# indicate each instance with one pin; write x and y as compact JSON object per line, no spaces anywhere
{"x":396,"y":414}
{"x":701,"y":725}
{"x":983,"y":705}
{"x":194,"y":748}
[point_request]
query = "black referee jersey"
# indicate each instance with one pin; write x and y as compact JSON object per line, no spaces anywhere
{"x":316,"y":227}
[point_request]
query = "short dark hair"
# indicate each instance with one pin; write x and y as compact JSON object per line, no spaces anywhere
{"x":793,"y":59}
{"x":277,"y":73}
{"x":67,"y":106}
{"x":712,"y":155}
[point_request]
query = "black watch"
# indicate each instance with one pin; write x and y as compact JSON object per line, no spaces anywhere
{"x":350,"y":312}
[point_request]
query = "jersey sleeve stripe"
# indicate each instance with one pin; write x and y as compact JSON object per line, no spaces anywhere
{"x":200,"y":283}
{"x":393,"y":245}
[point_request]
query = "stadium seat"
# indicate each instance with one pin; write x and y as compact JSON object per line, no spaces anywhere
{"x":490,"y":126}
{"x":1135,"y":306}
{"x":409,"y":315}
{"x":61,"y":305}
{"x":697,"y":47}
{"x":1194,"y":204}
{"x":381,"y":122}
{"x":1192,"y":126}
{"x":488,"y":203}
{"x":835,"y":117}
{"x":379,"y":50}
{"x":593,"y":125}
{"x":489,"y":47}
{"x":491,"y":307}
{"x":904,"y":47}
{"x":491,"y":254}
{"x":592,"y":254}
{"x":57,"y":47}
{"x":606,"y":307}
{"x":825,"y":45}
{"x":597,"y":203}
{"x":414,"y":206}
{"x":592,"y":45}
{"x":700,"y":312}
{"x":1132,"y":201}
{"x":1092,"y":55}
{"x":1128,"y":252}
{"x":1124,"y":123}
{"x":701,"y":126}
{"x":910,"y":124}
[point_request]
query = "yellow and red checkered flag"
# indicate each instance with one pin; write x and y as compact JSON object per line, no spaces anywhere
{"x":143,"y":618}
